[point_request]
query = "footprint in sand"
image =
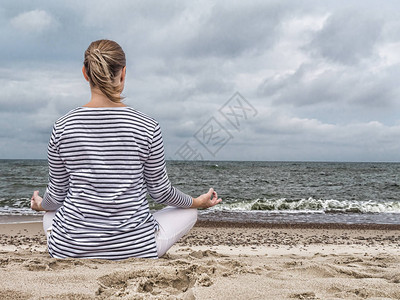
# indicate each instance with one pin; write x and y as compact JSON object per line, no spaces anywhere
{"x":171,"y":278}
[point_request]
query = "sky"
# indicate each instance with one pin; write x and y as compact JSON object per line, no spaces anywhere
{"x":226,"y":80}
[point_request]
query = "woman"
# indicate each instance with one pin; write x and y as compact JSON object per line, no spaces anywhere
{"x":104,"y":158}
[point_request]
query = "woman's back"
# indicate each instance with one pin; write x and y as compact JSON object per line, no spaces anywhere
{"x":99,"y":155}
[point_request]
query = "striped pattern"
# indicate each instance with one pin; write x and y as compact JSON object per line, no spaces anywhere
{"x":102,"y":164}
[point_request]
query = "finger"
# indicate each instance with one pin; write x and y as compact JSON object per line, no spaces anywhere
{"x":215,"y":195}
{"x":216,"y":201}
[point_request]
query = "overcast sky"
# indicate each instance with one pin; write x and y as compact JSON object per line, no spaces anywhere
{"x":317,"y":80}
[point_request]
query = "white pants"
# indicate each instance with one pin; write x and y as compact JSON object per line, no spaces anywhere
{"x":174,"y":223}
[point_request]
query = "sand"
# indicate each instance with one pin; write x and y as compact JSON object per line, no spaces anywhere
{"x":215,"y":261}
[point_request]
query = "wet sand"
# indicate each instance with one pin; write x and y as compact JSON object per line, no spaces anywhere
{"x":215,"y":261}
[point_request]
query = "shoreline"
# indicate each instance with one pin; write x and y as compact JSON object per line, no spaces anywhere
{"x":285,"y":225}
{"x":224,"y":221}
{"x":14,"y":219}
{"x":201,"y":222}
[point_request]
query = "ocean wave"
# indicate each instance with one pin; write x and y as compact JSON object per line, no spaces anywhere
{"x":15,"y":203}
{"x":5,"y":211}
{"x":312,"y":205}
{"x":284,"y":205}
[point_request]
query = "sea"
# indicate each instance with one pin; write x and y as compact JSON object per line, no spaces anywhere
{"x":257,"y":192}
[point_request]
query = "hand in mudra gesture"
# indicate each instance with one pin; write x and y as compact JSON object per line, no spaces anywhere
{"x":206,"y":200}
{"x":36,"y":201}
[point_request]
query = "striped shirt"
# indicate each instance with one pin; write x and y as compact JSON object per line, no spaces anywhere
{"x":102,"y":164}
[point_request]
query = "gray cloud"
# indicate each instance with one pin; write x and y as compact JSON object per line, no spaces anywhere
{"x":347,"y":36}
{"x":323,"y":79}
{"x":231,"y":31}
{"x":334,"y":93}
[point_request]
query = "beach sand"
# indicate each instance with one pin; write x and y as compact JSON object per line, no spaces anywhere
{"x":215,"y":261}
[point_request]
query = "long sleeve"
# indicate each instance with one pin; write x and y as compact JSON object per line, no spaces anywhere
{"x":57,"y":187}
{"x":158,"y":185}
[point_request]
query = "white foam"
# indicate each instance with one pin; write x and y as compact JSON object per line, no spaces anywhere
{"x":311,"y":205}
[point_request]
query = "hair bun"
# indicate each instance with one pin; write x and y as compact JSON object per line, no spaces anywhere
{"x":104,"y":59}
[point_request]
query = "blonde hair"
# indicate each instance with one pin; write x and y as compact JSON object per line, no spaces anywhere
{"x":104,"y":60}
